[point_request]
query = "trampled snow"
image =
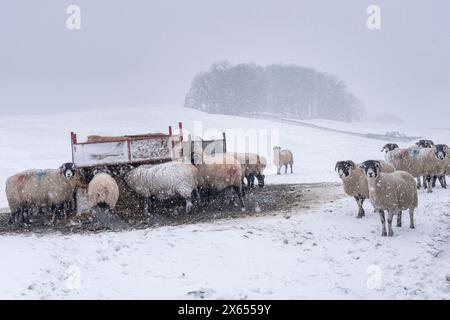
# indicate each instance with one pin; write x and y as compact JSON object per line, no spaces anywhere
{"x":323,"y":252}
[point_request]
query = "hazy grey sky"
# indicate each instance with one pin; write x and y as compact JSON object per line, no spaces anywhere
{"x":146,"y":52}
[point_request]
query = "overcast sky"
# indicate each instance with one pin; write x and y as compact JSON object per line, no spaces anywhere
{"x":138,"y":52}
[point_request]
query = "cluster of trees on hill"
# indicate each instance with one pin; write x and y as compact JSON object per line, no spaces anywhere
{"x":282,"y":90}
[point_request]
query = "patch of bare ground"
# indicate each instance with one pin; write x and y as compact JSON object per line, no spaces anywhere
{"x":272,"y":200}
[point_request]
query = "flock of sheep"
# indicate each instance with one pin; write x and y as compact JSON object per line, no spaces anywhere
{"x":390,"y":185}
{"x":54,"y":190}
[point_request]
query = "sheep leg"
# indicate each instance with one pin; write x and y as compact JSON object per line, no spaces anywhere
{"x":188,"y":205}
{"x":222,"y":196}
{"x":360,"y":201}
{"x":399,"y":219}
{"x":26,"y":217}
{"x":148,"y":206}
{"x":56,"y":214}
{"x":434,"y":181}
{"x":13,"y":217}
{"x":390,"y":218}
{"x":74,"y":203}
{"x":278,"y":170}
{"x":411,"y":218}
{"x":383,"y":223}
{"x":285,"y":169}
{"x":197,"y":193}
{"x":151,"y":204}
{"x":443,"y":182}
{"x":20,"y":217}
{"x":430,"y":184}
{"x":61,"y":211}
{"x":208,"y":195}
{"x":419,"y":183}
{"x":291,"y":168}
{"x":238,"y":191}
{"x":252,"y":181}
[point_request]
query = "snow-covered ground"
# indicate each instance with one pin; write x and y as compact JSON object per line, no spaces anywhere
{"x":323,"y":252}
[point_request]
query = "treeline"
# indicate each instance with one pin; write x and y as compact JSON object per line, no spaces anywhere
{"x":281,"y":90}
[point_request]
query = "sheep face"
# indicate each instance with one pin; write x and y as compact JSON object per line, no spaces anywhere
{"x":425,"y":144}
{"x":371,"y":168}
{"x":389,"y":147}
{"x":276,"y":148}
{"x":344,"y":168}
{"x":68,"y":170}
{"x":441,"y":151}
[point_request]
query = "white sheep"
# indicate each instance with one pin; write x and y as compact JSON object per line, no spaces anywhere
{"x":426,"y":162}
{"x":355,"y":181}
{"x":393,"y":192}
{"x":282,"y":158}
{"x":254,"y":166}
{"x":221,"y":172}
{"x":103,"y":192}
{"x":164,"y":181}
{"x":50,"y":188}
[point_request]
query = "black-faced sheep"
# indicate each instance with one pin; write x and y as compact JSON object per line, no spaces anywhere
{"x":389,"y":147}
{"x":419,"y":162}
{"x":254,"y":166}
{"x":221,"y":172}
{"x":164,"y":181}
{"x":355,"y":181}
{"x":50,"y":188}
{"x":282,"y":158}
{"x":103,"y":192}
{"x":442,"y":179}
{"x":393,"y":192}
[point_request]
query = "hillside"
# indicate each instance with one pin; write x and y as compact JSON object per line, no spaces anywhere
{"x":44,"y":141}
{"x":315,"y":249}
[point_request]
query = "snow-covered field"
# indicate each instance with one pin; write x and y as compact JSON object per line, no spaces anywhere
{"x":323,"y":252}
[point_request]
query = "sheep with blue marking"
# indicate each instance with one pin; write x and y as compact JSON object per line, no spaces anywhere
{"x":36,"y":189}
{"x":419,"y":162}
